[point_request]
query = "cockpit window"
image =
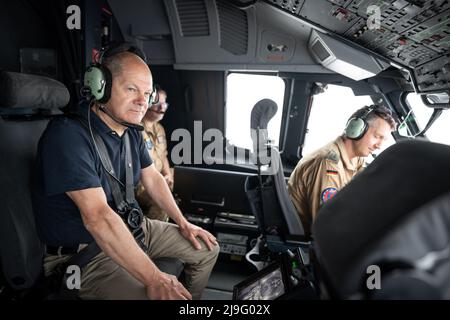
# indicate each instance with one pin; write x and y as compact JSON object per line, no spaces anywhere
{"x":440,"y":130}
{"x":243,"y":92}
{"x":330,"y":111}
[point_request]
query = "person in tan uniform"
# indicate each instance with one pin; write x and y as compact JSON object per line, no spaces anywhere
{"x":320,"y":175}
{"x":156,"y":143}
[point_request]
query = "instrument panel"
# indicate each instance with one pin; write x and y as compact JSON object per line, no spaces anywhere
{"x":414,"y":34}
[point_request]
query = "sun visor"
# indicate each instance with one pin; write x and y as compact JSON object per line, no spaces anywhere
{"x":342,"y":58}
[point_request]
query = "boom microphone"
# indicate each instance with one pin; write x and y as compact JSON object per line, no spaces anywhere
{"x":124,"y":123}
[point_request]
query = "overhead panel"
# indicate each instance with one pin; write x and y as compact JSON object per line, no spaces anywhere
{"x":293,"y":6}
{"x":193,"y":18}
{"x":338,"y":19}
{"x":433,"y":33}
{"x":233,"y":28}
{"x":145,"y":23}
{"x":217,"y":35}
{"x":414,"y":34}
{"x":434,"y":75}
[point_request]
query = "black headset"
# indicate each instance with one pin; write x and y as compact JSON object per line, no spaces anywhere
{"x":98,"y":78}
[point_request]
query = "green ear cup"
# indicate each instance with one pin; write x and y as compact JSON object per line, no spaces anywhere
{"x":95,"y":80}
{"x":355,"y":129}
{"x":98,"y":78}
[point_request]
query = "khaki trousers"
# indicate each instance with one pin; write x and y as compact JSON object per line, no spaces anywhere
{"x":156,"y":213}
{"x":102,"y":278}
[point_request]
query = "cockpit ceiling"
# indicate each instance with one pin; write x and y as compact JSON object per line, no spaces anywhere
{"x":414,"y":33}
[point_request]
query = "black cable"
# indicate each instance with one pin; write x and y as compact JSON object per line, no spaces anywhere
{"x":96,"y":147}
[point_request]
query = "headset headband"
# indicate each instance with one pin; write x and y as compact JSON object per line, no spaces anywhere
{"x":98,"y":78}
{"x":369,"y":110}
{"x":114,"y":48}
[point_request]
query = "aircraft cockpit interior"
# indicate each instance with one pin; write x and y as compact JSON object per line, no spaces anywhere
{"x":309,"y":138}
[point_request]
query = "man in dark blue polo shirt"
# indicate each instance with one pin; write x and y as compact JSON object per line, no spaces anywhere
{"x":74,"y":203}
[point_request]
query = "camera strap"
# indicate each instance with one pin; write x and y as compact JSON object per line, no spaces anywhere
{"x":119,"y":201}
{"x":118,"y":197}
{"x":108,"y":167}
{"x":129,"y":185}
{"x":85,"y":255}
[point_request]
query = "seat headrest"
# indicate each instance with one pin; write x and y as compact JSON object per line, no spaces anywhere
{"x":262,"y":113}
{"x":18,"y":90}
{"x":403,"y":178}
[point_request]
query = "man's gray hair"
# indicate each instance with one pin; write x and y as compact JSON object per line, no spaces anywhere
{"x":114,"y":63}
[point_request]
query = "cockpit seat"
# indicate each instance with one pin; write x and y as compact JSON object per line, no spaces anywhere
{"x":394,"y":219}
{"x":27,"y":103}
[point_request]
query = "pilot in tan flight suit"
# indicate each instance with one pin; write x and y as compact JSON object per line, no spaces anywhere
{"x":320,"y":175}
{"x":155,"y":140}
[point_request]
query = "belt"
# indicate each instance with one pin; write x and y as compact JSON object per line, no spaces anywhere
{"x":62,"y":250}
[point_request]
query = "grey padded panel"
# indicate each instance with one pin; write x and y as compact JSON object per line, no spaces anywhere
{"x":425,"y":231}
{"x":20,"y":90}
{"x":263,"y":111}
{"x":290,"y":214}
{"x":20,"y":249}
{"x":401,"y":179}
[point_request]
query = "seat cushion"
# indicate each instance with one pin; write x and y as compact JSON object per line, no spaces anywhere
{"x":171,"y":266}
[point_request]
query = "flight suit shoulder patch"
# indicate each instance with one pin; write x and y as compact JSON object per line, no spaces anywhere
{"x":332,"y":173}
{"x":333,"y":156}
{"x":327,"y":194}
{"x":148,"y":144}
